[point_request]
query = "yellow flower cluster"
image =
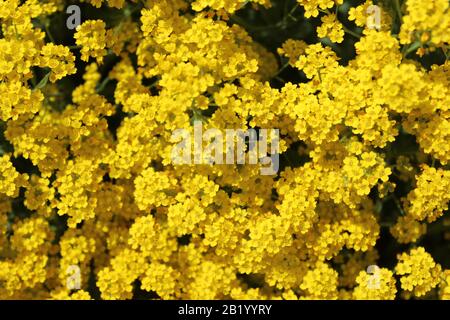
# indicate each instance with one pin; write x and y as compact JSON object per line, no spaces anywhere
{"x":112,"y":3}
{"x":377,"y":286}
{"x":430,"y":197}
{"x":331,"y":28}
{"x":407,"y":229}
{"x":91,"y":36}
{"x":10,"y":179}
{"x":426,"y":22}
{"x":59,"y":59}
{"x":89,"y":193}
{"x":419,"y":273}
{"x":366,"y":15}
{"x":225,"y":6}
{"x":445,"y":285}
{"x":312,"y":7}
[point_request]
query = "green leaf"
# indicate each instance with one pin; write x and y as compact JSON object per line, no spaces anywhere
{"x":43,"y":82}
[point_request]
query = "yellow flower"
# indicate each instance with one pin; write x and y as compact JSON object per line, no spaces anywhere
{"x":59,"y":59}
{"x":320,"y":282}
{"x":91,"y":36}
{"x":10,"y":179}
{"x":312,"y":7}
{"x":430,"y":197}
{"x":419,"y":273}
{"x":422,"y":17}
{"x":331,"y":28}
{"x":379,"y":285}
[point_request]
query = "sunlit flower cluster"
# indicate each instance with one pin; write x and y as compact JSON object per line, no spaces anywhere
{"x":92,"y":206}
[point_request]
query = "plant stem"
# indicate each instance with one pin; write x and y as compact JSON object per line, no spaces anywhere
{"x":398,"y":10}
{"x":102,"y":85}
{"x":48,"y":32}
{"x":399,"y":206}
{"x":411,"y":48}
{"x":347,"y":30}
{"x":281,"y":69}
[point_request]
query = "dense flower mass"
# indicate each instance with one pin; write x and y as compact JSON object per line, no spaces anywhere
{"x":93,"y":207}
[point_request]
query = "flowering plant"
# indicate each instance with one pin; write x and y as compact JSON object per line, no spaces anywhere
{"x":93,"y":205}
